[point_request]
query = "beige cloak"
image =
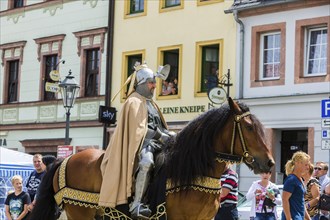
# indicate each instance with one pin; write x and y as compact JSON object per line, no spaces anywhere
{"x":118,"y":163}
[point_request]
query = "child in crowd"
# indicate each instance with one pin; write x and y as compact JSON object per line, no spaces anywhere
{"x":265,"y":196}
{"x":16,"y":203}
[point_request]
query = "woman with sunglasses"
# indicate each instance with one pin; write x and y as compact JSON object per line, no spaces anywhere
{"x":312,"y":195}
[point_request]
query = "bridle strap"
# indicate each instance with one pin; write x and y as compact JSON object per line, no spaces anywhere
{"x":232,"y":157}
{"x":237,"y":123}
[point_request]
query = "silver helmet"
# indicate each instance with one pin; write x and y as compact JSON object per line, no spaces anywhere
{"x":143,"y":73}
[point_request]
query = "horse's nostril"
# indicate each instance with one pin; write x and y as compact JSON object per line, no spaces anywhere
{"x":271,"y":163}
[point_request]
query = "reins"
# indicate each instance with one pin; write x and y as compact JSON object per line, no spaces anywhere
{"x":232,"y":158}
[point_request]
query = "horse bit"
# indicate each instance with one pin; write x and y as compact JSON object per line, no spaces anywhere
{"x":220,"y":157}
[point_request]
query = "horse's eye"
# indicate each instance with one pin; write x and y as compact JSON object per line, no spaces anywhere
{"x":249,"y":127}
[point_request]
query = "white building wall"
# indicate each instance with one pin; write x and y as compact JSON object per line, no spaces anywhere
{"x":290,"y":18}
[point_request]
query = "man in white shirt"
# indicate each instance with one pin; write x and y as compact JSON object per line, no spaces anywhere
{"x":321,"y":173}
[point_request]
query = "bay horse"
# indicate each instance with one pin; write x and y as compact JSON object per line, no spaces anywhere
{"x":194,"y":163}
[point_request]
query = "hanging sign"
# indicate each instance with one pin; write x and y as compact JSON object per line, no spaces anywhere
{"x":52,"y":87}
{"x":217,"y":95}
{"x":55,"y":75}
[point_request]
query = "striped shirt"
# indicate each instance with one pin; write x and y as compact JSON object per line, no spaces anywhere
{"x":229,"y":180}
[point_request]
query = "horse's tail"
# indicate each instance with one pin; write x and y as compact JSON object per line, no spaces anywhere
{"x":46,"y":206}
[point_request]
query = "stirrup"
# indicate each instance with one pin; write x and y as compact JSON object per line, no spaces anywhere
{"x":141,"y":211}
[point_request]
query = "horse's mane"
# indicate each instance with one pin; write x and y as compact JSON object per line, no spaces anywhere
{"x":192,"y":153}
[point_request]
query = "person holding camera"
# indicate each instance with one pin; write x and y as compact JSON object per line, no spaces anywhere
{"x":265,"y":196}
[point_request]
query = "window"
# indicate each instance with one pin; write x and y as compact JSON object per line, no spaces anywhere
{"x":207,"y":2}
{"x":18,"y":3}
{"x":171,"y":3}
{"x":312,"y":60}
{"x":316,"y":57}
{"x":129,"y":61}
{"x":50,"y":63}
{"x":268,"y":55}
{"x":92,"y":72}
{"x":11,"y":60}
{"x":12,"y":81}
{"x":90,"y":43}
{"x":168,"y":5}
{"x":170,"y":85}
{"x":170,"y":88}
{"x":209,"y":65}
{"x":12,"y":4}
{"x":49,"y":54}
{"x":134,"y":8}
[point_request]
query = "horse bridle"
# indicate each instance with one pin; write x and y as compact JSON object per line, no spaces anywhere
{"x":223,"y":157}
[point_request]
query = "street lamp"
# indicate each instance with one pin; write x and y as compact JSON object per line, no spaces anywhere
{"x":69,"y":90}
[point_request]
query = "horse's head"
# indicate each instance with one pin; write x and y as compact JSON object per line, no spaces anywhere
{"x":244,"y":139}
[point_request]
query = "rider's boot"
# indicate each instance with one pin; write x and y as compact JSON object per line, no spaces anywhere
{"x":137,"y":208}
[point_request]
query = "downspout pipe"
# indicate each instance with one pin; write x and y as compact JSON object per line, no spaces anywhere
{"x":109,"y":64}
{"x":241,"y":54}
{"x":241,"y":67}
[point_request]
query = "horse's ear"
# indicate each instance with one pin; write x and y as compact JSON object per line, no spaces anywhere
{"x":234,"y":106}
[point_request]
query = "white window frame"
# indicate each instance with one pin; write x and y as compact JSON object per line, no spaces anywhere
{"x":307,"y":52}
{"x":262,"y":61}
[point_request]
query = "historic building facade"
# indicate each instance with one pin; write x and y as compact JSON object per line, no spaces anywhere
{"x":38,"y":37}
{"x":195,"y":37}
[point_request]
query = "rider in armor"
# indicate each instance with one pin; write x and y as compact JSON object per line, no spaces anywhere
{"x":155,"y":134}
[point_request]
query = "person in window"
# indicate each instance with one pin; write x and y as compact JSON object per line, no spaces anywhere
{"x":229,"y":195}
{"x":141,"y":131}
{"x":167,"y":88}
{"x":16,"y":204}
{"x":293,"y":188}
{"x":265,"y":197}
{"x":212,"y":79}
{"x":175,"y":85}
{"x":312,"y":195}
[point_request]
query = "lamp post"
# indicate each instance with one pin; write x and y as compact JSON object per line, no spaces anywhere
{"x":69,"y":90}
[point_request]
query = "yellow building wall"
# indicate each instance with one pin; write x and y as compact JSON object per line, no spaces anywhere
{"x":185,"y":27}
